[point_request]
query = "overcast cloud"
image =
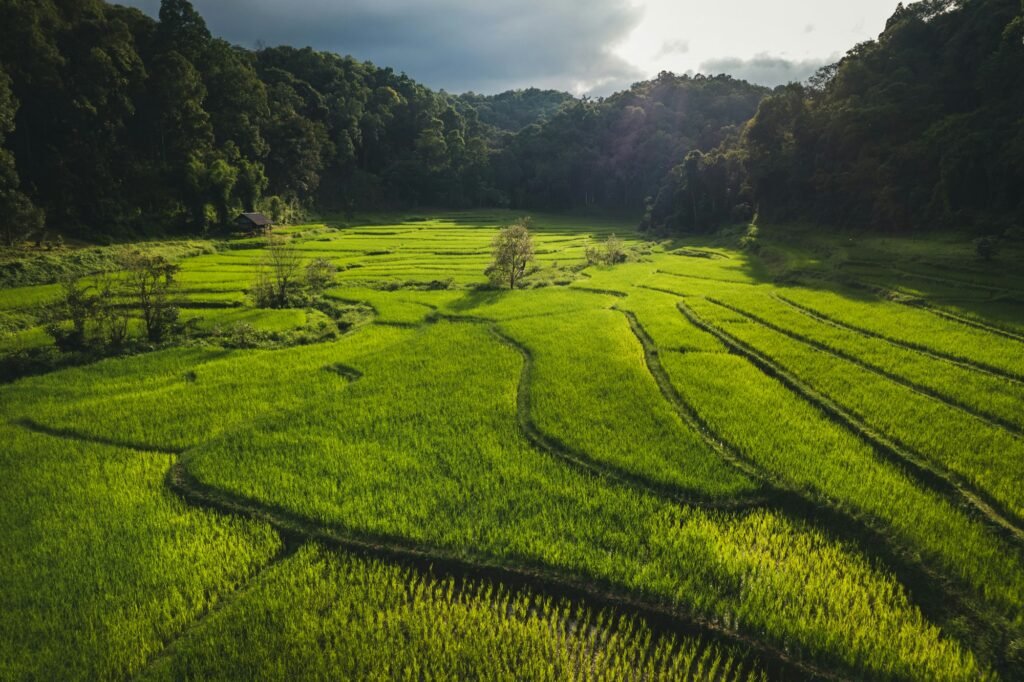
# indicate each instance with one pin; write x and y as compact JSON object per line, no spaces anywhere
{"x":596,"y":46}
{"x":765,"y":69}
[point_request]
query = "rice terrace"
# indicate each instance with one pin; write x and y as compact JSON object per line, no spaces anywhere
{"x":309,"y":372}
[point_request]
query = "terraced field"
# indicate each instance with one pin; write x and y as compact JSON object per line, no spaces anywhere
{"x":670,"y":468}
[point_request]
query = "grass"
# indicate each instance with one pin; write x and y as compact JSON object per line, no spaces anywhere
{"x":529,"y":433}
{"x":476,"y":488}
{"x":101,"y":564}
{"x":597,"y":350}
{"x":917,"y":329}
{"x":321,"y":615}
{"x":986,"y":454}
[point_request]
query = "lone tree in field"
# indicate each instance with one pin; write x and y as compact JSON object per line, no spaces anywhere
{"x":278,"y":275}
{"x":513,"y":251}
{"x":149,"y":281}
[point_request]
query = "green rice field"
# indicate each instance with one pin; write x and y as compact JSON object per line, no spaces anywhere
{"x":701,"y":463}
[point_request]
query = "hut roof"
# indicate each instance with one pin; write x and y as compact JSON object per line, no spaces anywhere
{"x":257,"y":219}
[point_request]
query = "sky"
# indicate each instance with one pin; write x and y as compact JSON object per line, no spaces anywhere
{"x":583,"y":46}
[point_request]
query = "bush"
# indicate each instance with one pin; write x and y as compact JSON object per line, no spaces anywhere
{"x":613,"y":251}
{"x":79,"y":304}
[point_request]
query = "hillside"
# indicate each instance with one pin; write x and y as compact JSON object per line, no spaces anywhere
{"x":919,"y":130}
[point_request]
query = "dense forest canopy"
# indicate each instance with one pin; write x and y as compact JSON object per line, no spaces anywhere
{"x":115,"y":122}
{"x":514,"y":110}
{"x":921,"y":129}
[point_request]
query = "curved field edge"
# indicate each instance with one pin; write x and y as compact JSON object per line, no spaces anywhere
{"x":101,"y":565}
{"x":327,"y":614}
{"x":603,"y":554}
{"x":445,"y":565}
{"x":942,"y":481}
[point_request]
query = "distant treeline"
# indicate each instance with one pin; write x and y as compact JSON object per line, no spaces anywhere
{"x":921,"y":129}
{"x":113,"y":122}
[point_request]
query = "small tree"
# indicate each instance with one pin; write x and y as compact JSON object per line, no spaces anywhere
{"x":150,"y":282}
{"x":512,"y":251}
{"x":262,"y":291}
{"x":319,"y":274}
{"x":79,"y":305}
{"x":613,"y":251}
{"x":284,"y":263}
{"x":111,"y":313}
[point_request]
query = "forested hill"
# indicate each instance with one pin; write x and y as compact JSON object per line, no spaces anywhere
{"x":113,"y":122}
{"x":513,"y":110}
{"x":921,"y":129}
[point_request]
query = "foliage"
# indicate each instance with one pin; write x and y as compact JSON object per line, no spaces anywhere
{"x":513,"y":110}
{"x":150,"y":284}
{"x":512,"y":252}
{"x":919,"y":129}
{"x":610,"y":253}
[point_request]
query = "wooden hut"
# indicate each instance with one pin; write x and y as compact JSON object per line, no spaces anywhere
{"x":253,"y":222}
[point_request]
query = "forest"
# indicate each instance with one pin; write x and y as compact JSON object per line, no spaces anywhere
{"x":113,"y":123}
{"x":920,"y":130}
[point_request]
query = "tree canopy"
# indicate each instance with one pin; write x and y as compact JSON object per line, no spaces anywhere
{"x":922,"y":128}
{"x":112,"y":121}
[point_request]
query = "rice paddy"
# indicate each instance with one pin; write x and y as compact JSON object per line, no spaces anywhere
{"x":670,"y":468}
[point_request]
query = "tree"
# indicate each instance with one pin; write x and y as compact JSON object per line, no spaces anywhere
{"x":273,"y":289}
{"x":112,"y":315}
{"x":182,"y":29}
{"x":613,"y":251}
{"x":18,"y":217}
{"x":79,"y":304}
{"x":512,"y":252}
{"x":222,"y":179}
{"x":150,"y":282}
{"x":252,"y":182}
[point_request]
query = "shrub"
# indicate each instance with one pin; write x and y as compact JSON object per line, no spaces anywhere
{"x":79,"y":304}
{"x":612,"y":252}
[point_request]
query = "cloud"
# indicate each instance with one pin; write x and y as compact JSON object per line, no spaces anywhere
{"x":453,"y":44}
{"x":765,"y":69}
{"x":673,"y":47}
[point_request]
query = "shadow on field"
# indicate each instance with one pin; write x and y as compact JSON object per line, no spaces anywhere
{"x":940,"y":270}
{"x":475,"y":298}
